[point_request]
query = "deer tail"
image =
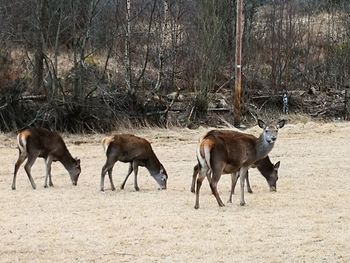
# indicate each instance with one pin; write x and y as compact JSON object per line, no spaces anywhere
{"x":207,"y":156}
{"x":21,"y":143}
{"x":203,"y":156}
{"x":105,"y":143}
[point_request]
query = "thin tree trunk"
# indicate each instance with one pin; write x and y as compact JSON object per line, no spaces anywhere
{"x":56,"y":53}
{"x":76,"y":86}
{"x":347,"y":103}
{"x":163,"y":40}
{"x":79,"y":50}
{"x":39,"y":47}
{"x":148,"y":38}
{"x":127,"y":58}
{"x":174,"y":40}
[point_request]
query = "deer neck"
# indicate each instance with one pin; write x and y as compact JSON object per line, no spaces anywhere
{"x":265,"y":167}
{"x":153,"y":165}
{"x":67,"y":160}
{"x":263,"y":148}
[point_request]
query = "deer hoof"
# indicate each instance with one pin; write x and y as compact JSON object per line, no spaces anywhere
{"x":113,"y":189}
{"x":242,"y":203}
{"x":137,"y":188}
{"x":250,"y":191}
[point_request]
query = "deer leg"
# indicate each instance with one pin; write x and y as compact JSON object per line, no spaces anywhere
{"x":106,"y":167}
{"x":28,"y":167}
{"x":110,"y":178}
{"x":21,"y":158}
{"x":135,"y":166}
{"x":234,"y":178}
{"x":249,"y":189}
{"x":194,"y":177}
{"x":127,"y":176}
{"x":214,"y":189}
{"x":103,"y":174}
{"x":50,"y":180}
{"x":242,"y":174}
{"x":48,"y":162}
{"x":209,"y":174}
{"x":200,"y":178}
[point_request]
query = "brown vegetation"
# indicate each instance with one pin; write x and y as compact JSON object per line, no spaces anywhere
{"x":90,"y":65}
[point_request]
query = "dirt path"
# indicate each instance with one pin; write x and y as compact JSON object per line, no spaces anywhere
{"x":307,"y":220}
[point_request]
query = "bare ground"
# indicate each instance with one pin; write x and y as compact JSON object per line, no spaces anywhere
{"x":307,"y":220}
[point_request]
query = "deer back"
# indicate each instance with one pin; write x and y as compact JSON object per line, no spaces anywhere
{"x":128,"y":148}
{"x":234,"y":148}
{"x":42,"y":140}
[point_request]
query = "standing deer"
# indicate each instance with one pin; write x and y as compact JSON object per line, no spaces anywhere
{"x":227,"y":153}
{"x":265,"y":167}
{"x":137,"y":151}
{"x":39,"y":142}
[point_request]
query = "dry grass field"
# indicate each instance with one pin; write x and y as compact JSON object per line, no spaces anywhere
{"x":306,"y":220}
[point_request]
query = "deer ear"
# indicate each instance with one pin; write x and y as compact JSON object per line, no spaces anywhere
{"x":277,"y":165}
{"x":280,"y":124}
{"x":261,"y":124}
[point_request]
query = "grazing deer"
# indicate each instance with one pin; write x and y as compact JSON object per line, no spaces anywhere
{"x":137,"y":151}
{"x":39,"y":142}
{"x":265,"y":167}
{"x":227,"y":153}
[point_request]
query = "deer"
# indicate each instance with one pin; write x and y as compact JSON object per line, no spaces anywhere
{"x":40,"y":142}
{"x":137,"y":151}
{"x":227,"y":153}
{"x":265,"y":167}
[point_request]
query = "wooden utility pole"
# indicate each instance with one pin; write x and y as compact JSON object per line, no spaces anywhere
{"x":238,"y":66}
{"x":163,"y":43}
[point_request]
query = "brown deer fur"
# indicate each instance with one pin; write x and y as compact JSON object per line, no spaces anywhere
{"x":265,"y":167}
{"x":137,"y":151}
{"x":226,"y":153}
{"x":39,"y":142}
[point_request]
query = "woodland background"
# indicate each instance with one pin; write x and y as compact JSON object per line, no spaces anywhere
{"x":93,"y":65}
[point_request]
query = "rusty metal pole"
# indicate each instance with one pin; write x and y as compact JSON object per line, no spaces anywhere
{"x":238,"y":66}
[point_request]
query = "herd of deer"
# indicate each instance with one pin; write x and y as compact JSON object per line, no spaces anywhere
{"x":218,"y":152}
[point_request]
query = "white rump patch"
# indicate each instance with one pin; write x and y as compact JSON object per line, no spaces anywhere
{"x":22,"y":143}
{"x":105,"y":147}
{"x":201,"y":160}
